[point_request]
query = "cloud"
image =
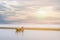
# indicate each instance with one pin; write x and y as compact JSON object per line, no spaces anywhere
{"x":20,"y":11}
{"x":2,"y":8}
{"x":2,"y":19}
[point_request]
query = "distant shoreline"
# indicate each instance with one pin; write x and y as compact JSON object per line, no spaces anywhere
{"x":52,"y":29}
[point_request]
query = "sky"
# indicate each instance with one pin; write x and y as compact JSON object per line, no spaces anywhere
{"x":29,"y":11}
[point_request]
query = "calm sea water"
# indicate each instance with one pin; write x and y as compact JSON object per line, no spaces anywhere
{"x":29,"y":35}
{"x":32,"y":25}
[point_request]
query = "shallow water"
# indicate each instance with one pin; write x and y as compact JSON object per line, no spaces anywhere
{"x":29,"y":35}
{"x":32,"y":25}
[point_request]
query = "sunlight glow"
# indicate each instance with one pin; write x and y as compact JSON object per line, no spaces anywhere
{"x":42,"y":12}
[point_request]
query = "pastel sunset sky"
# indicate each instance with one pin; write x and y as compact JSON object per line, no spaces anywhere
{"x":29,"y":11}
